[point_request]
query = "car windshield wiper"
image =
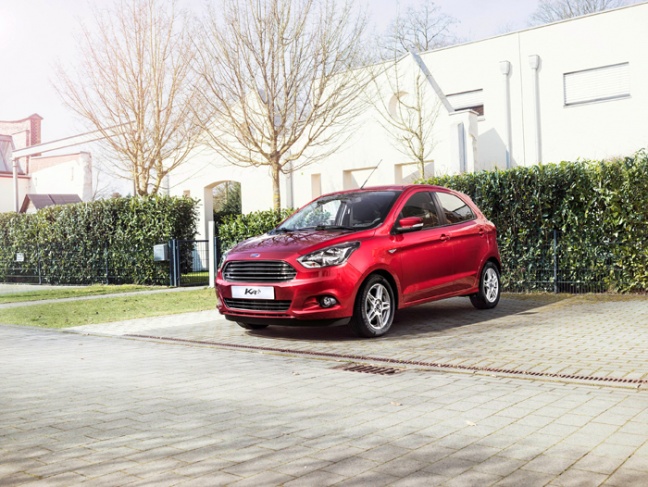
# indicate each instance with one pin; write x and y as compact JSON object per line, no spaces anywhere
{"x":332,"y":227}
{"x":281,"y":230}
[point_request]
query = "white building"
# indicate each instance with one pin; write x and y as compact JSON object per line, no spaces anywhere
{"x":573,"y":89}
{"x":57,"y":175}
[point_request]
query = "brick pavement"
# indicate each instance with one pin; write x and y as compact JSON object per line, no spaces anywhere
{"x":581,"y":337}
{"x":104,"y":410}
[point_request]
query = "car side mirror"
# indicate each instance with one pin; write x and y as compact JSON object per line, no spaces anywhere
{"x":409,"y":224}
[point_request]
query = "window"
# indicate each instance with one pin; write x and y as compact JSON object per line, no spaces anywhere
{"x":598,"y":84}
{"x":455,"y":210}
{"x":421,"y":205}
{"x":468,"y":100}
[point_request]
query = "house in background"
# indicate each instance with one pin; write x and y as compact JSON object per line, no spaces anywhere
{"x":63,"y":175}
{"x":35,"y":202}
{"x":573,"y":89}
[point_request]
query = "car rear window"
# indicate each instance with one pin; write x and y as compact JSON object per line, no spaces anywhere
{"x":454,"y":208}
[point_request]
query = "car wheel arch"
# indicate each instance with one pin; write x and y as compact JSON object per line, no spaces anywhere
{"x":390,"y":279}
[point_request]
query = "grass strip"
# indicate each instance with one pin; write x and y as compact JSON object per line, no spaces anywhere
{"x":71,"y":292}
{"x":76,"y":313}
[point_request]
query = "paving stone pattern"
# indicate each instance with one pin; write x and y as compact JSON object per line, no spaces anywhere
{"x":85,"y":409}
{"x":574,"y":337}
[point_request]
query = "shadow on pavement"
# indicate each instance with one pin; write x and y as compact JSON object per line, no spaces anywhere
{"x":423,"y":320}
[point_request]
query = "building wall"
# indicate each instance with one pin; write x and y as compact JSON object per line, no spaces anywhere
{"x":594,"y":130}
{"x":67,"y":174}
{"x":525,"y":118}
{"x":7,"y":191}
{"x":63,"y":174}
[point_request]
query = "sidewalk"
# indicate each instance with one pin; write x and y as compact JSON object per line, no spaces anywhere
{"x":523,"y":395}
{"x":97,"y":410}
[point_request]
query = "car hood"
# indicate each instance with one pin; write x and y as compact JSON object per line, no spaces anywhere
{"x":291,"y":242}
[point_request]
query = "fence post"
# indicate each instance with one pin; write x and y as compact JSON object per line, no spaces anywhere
{"x":171,"y":266}
{"x":555,"y":260}
{"x":211,"y":250}
{"x":174,"y":262}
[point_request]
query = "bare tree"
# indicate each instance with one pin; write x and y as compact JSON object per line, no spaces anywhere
{"x":407,"y":110}
{"x":101,"y":187}
{"x":136,"y":86}
{"x":420,"y":29}
{"x":553,"y":10}
{"x":280,"y":83}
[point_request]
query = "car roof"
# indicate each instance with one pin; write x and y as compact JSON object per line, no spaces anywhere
{"x":392,"y":187}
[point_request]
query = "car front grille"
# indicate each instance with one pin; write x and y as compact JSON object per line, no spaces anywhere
{"x":258,"y":271}
{"x":257,"y":304}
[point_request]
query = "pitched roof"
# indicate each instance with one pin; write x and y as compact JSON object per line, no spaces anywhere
{"x":42,"y":200}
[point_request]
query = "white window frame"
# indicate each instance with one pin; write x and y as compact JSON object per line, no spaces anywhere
{"x":466,"y":100}
{"x":604,"y":83}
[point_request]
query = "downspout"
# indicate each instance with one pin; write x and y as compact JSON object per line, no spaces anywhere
{"x":505,"y":69}
{"x":534,"y":62}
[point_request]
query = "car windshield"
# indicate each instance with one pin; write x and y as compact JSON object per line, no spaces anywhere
{"x":346,"y":211}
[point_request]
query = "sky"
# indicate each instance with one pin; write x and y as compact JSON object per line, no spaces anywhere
{"x":36,"y":34}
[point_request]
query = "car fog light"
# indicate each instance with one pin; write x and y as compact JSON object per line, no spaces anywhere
{"x":327,"y":301}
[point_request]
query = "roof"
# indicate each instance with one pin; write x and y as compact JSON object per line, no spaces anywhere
{"x":43,"y":200}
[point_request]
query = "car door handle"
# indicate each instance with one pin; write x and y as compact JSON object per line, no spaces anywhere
{"x":445,"y":237}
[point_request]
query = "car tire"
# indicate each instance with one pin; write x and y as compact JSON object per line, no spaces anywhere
{"x":374,"y":308}
{"x":248,"y":326}
{"x":489,"y":288}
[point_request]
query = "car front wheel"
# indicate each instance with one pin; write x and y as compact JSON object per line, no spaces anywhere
{"x":489,"y":288}
{"x":374,"y":308}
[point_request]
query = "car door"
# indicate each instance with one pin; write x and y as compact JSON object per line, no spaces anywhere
{"x":467,"y":238}
{"x":425,"y":256}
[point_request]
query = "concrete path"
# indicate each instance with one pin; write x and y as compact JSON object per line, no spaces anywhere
{"x":211,"y":404}
{"x":17,"y":288}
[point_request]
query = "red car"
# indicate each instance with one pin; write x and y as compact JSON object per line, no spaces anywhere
{"x":355,"y":257}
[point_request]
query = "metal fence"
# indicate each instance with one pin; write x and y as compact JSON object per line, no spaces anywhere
{"x":586,"y":280}
{"x":117,"y":263}
{"x":559,"y":268}
{"x":189,"y":262}
{"x":555,"y":269}
{"x":69,"y":264}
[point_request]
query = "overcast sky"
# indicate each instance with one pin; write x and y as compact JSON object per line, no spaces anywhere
{"x":35,"y":33}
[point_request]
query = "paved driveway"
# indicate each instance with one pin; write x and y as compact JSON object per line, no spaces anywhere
{"x":211,"y":404}
{"x":584,"y":338}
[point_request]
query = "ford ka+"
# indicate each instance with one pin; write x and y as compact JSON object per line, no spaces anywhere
{"x":356,"y":257}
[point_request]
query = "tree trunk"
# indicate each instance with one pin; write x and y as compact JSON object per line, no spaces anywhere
{"x":276,"y":190}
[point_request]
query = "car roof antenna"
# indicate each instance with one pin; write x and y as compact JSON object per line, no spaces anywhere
{"x":372,"y":171}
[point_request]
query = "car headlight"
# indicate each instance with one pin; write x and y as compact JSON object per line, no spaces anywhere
{"x":330,"y":256}
{"x":222,"y":258}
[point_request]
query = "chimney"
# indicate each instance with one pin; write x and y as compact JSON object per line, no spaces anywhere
{"x":35,"y":129}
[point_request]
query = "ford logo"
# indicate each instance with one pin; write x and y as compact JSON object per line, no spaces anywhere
{"x":255,"y":255}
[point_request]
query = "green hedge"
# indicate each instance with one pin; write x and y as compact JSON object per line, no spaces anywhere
{"x":236,"y":228}
{"x":104,"y":241}
{"x":598,"y":209}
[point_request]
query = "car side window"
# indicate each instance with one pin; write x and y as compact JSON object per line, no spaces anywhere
{"x":422,"y":206}
{"x":454,"y":208}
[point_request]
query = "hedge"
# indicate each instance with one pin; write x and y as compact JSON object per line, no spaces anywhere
{"x":103,"y":241}
{"x":236,"y":228}
{"x":598,"y":210}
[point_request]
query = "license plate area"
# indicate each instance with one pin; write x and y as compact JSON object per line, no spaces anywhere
{"x":253,"y":292}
